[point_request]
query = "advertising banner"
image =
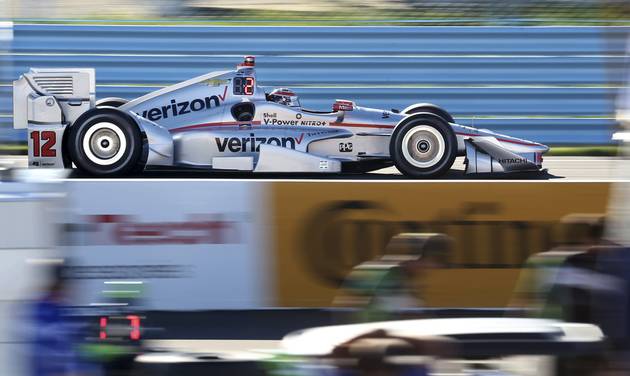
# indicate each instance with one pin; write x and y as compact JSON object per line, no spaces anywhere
{"x":323,"y":229}
{"x":195,"y":245}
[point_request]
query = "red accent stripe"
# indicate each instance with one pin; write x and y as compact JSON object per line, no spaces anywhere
{"x":360,"y":125}
{"x":207,"y":125}
{"x":518,"y":142}
{"x":289,"y":93}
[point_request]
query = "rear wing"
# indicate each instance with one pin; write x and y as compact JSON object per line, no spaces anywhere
{"x":45,"y":102}
{"x":52,"y":96}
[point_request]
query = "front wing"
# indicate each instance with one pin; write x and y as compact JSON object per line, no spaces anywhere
{"x":487,"y":155}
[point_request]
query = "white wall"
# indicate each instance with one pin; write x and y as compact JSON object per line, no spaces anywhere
{"x":150,"y":235}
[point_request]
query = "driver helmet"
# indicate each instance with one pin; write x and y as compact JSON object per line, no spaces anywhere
{"x":284,"y":96}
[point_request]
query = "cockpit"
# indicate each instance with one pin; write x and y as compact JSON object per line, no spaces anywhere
{"x":285,"y":97}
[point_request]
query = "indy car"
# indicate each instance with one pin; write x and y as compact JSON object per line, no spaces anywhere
{"x":225,"y":121}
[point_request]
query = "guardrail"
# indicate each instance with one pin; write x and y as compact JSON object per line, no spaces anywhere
{"x":552,"y":84}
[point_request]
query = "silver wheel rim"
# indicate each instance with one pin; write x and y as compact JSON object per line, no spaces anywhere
{"x":423,"y":146}
{"x":104,"y":143}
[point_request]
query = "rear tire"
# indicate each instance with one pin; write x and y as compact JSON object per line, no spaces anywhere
{"x":111,"y":102}
{"x":423,"y":146}
{"x":105,"y":142}
{"x":429,"y":108}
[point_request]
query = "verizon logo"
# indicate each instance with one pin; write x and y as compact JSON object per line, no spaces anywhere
{"x":252,"y":143}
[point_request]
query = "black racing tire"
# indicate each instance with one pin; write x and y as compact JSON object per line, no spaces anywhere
{"x":423,"y":145}
{"x":111,"y":102}
{"x":105,"y":142}
{"x":430,"y":108}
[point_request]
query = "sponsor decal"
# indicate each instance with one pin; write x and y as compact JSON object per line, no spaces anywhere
{"x":385,"y":115}
{"x":345,"y":147}
{"x":329,"y":229}
{"x":174,"y":109}
{"x":313,"y":123}
{"x":319,"y":133}
{"x":309,"y":123}
{"x":252,"y":143}
{"x":271,"y":118}
{"x":42,"y":164}
{"x":512,"y":160}
{"x":280,"y":122}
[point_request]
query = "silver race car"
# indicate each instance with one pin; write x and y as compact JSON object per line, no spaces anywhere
{"x":225,"y":121}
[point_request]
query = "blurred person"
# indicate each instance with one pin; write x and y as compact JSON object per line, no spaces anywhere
{"x":585,"y":279}
{"x":383,"y":289}
{"x":586,"y":290}
{"x":54,"y":351}
{"x":611,"y":306}
{"x":534,"y":287}
{"x":595,"y":285}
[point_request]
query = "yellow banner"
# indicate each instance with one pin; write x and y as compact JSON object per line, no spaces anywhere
{"x":323,"y":229}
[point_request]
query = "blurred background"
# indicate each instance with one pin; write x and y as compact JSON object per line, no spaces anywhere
{"x":477,"y":11}
{"x":133,"y":275}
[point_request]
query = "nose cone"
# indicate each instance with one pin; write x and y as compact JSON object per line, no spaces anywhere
{"x":523,"y":145}
{"x":516,"y":144}
{"x":543,"y":148}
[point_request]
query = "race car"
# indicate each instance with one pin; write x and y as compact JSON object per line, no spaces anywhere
{"x":225,"y":121}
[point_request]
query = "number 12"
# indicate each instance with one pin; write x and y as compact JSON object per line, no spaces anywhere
{"x":49,"y":139}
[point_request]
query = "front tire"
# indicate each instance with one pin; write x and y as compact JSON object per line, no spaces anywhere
{"x":423,"y":146}
{"x":429,"y":108}
{"x":105,"y":142}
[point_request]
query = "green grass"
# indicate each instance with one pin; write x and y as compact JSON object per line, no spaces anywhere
{"x":591,"y":151}
{"x":12,"y":148}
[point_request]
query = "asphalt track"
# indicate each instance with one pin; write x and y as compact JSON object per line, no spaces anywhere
{"x":558,"y":169}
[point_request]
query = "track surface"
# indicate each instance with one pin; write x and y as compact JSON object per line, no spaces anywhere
{"x":559,"y":169}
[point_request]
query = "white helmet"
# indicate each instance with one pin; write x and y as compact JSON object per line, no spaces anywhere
{"x":284,"y":96}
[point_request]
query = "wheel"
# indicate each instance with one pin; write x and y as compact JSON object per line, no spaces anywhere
{"x":105,"y":142}
{"x":423,"y":145}
{"x":430,"y":108}
{"x":111,"y":102}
